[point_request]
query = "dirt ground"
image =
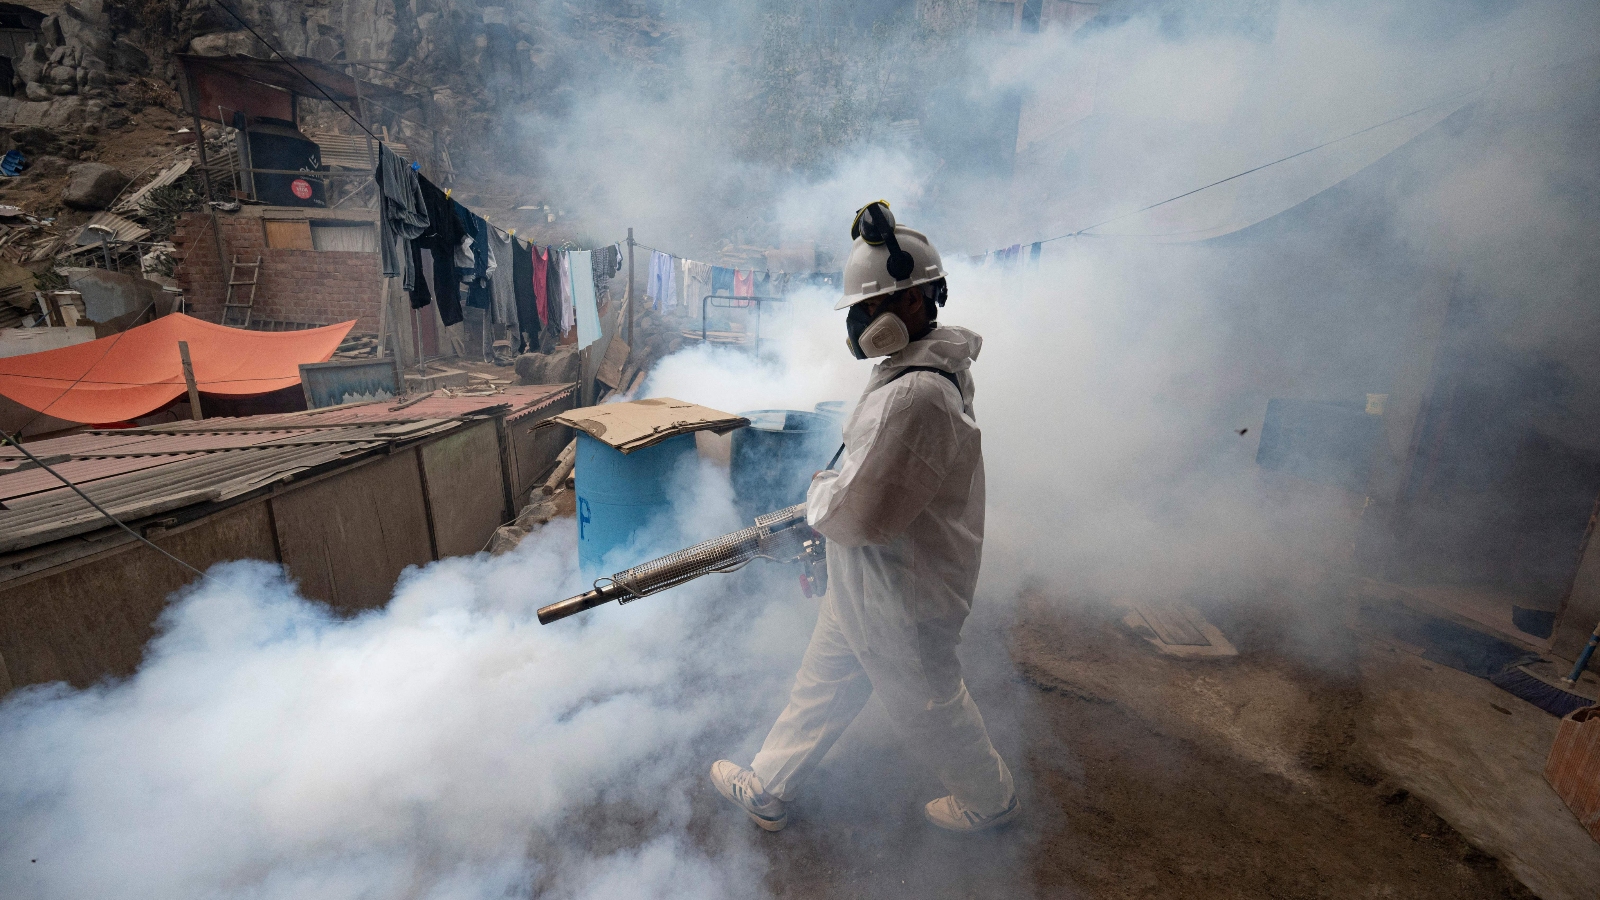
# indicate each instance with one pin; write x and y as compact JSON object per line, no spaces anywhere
{"x":1141,"y":776}
{"x":141,"y":146}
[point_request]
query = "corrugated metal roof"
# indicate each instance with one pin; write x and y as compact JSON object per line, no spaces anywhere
{"x":109,"y":226}
{"x":514,"y":402}
{"x":167,"y":176}
{"x":139,"y":472}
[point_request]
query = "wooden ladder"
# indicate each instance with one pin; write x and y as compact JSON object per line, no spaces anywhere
{"x":231,"y":315}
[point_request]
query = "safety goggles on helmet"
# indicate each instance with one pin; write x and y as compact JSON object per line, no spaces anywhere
{"x":874,"y":223}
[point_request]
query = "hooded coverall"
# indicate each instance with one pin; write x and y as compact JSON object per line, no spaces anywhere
{"x":904,"y":521}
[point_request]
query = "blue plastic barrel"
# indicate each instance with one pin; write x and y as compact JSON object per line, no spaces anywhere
{"x":833,"y":409}
{"x":619,"y":494}
{"x":772,"y":460}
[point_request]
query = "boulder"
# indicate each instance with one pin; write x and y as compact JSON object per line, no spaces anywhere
{"x":116,"y":299}
{"x":30,"y":65}
{"x":127,"y":57}
{"x":36,"y":141}
{"x":558,"y":367}
{"x":83,"y":33}
{"x":93,"y":186}
{"x":227,"y":43}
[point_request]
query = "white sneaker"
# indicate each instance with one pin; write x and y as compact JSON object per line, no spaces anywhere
{"x":949,"y":814}
{"x":743,"y":788}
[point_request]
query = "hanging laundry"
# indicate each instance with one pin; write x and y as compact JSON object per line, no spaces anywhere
{"x":541,"y":284}
{"x":568,"y":311}
{"x":696,"y":285}
{"x":659,"y":288}
{"x":606,"y":262}
{"x":743,"y":283}
{"x":404,"y":214}
{"x":585,"y":305}
{"x":722,"y":281}
{"x":472,"y":261}
{"x":1033,"y":253}
{"x":442,"y":237}
{"x":762,"y":286}
{"x":523,"y":295}
{"x":502,"y":284}
{"x":421,"y":294}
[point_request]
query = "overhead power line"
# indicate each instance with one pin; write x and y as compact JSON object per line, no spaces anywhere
{"x":268,"y":44}
{"x":1450,"y":99}
{"x":97,"y":507}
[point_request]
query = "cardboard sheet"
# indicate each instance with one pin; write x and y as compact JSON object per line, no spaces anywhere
{"x":642,"y":423}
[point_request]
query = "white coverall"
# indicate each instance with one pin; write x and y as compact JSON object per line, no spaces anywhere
{"x":904,"y":521}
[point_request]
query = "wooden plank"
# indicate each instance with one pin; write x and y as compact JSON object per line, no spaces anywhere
{"x":464,"y":478}
{"x":288,"y":234}
{"x":1171,"y":625}
{"x":1176,"y":628}
{"x":610,"y":371}
{"x":91,"y":621}
{"x":347,"y":538}
{"x":538,"y":448}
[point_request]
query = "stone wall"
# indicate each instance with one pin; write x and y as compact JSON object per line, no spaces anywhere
{"x":67,"y":77}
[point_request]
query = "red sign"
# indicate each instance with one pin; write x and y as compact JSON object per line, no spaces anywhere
{"x":301,"y":188}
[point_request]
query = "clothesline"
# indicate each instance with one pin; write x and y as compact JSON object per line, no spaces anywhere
{"x":448,"y":256}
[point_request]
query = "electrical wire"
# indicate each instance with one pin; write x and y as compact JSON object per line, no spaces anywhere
{"x":268,"y":44}
{"x":66,"y":390}
{"x":1250,"y":171}
{"x":9,"y":439}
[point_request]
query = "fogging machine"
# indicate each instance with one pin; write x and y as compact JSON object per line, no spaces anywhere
{"x":782,"y":536}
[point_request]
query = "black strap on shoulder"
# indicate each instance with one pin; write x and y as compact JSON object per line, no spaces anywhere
{"x":949,"y":376}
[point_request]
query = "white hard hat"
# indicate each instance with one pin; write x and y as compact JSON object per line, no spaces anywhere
{"x":867,"y":272}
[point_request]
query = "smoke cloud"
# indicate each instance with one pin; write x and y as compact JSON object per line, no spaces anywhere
{"x":447,"y":746}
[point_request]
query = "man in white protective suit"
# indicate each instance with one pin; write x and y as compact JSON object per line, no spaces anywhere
{"x":903,"y":516}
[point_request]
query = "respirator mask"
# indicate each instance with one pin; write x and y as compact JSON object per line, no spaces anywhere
{"x":869,"y":336}
{"x":886,"y":333}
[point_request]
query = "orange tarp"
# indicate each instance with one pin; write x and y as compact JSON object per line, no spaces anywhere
{"x":137,"y":372}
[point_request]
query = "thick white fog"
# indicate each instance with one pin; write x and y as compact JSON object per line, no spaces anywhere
{"x":448,"y":746}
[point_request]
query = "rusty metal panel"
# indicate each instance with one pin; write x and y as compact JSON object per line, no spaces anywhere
{"x":218,"y":94}
{"x":466,"y":488}
{"x":91,"y":621}
{"x":557,"y":398}
{"x":79,"y":471}
{"x":347,"y":538}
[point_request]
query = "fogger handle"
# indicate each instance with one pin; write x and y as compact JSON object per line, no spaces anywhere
{"x":574,"y":605}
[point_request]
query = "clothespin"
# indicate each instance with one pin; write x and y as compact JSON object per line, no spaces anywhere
{"x":512,"y":232}
{"x":447,"y":193}
{"x":416,"y":167}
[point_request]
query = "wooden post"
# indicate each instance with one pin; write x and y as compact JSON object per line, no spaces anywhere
{"x":188,"y":379}
{"x":205,"y":178}
{"x":628,"y":295}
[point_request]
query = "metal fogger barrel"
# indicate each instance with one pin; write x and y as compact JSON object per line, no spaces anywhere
{"x":781,"y":535}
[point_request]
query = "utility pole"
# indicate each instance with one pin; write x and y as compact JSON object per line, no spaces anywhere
{"x":188,"y":379}
{"x":628,"y":301}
